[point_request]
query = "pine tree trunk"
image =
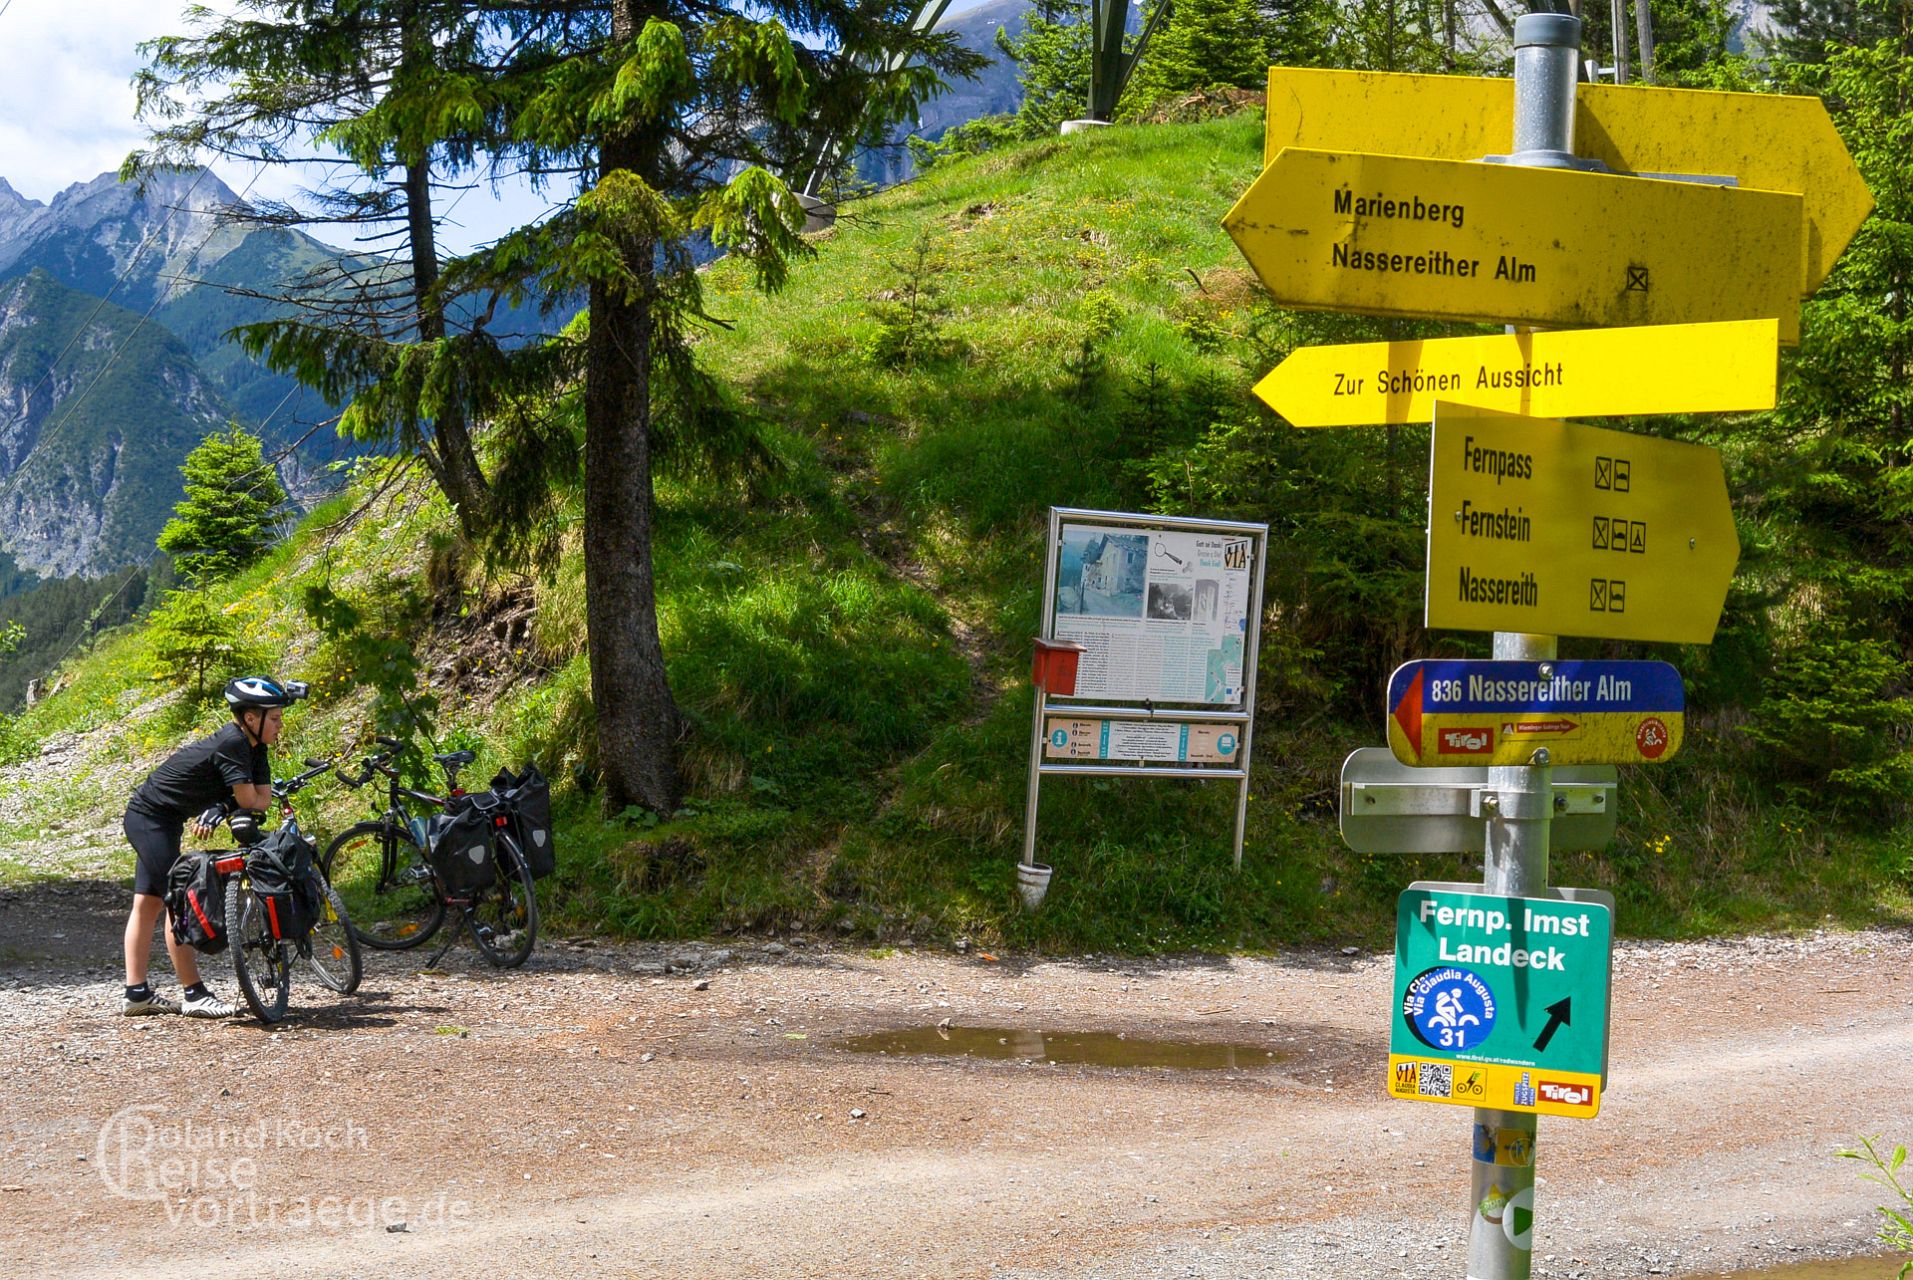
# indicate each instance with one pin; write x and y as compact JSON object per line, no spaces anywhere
{"x":637,"y":716}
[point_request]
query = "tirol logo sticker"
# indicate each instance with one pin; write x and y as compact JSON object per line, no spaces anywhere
{"x":1449,"y":1007}
{"x":1468,"y":742}
{"x":1567,"y":1095}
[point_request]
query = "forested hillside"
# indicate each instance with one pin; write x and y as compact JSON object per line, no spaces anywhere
{"x":97,"y":410}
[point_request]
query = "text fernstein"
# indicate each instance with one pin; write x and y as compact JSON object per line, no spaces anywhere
{"x":1504,"y":525}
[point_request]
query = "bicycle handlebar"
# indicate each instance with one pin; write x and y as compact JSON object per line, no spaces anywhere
{"x":285,"y":788}
{"x":380,"y":764}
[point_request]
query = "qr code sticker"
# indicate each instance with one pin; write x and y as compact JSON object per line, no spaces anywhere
{"x":1436,"y":1080}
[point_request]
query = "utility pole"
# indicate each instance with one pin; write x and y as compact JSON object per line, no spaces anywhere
{"x":1618,"y":17}
{"x":1644,"y":27}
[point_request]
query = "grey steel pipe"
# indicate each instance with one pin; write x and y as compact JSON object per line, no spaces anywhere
{"x":1515,"y":864}
{"x":1547,"y":58}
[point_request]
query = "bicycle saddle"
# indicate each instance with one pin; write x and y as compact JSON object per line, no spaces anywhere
{"x":457,"y":757}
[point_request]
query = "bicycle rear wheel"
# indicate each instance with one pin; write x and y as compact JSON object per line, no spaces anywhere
{"x":504,"y":918}
{"x":332,"y":946}
{"x":262,"y":963}
{"x":385,"y":880}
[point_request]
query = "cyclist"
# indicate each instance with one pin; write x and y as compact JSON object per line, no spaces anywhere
{"x":200,"y":783}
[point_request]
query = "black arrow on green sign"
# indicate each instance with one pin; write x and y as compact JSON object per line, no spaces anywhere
{"x":1557,"y":1017}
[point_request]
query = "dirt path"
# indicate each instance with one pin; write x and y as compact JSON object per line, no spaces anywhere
{"x":598,"y":1113}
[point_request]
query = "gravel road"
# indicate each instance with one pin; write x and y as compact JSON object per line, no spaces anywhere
{"x":689,"y":1111}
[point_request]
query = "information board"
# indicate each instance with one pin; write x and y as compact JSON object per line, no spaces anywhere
{"x":1162,"y":615}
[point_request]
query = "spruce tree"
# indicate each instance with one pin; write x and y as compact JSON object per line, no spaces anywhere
{"x":193,"y":639}
{"x":676,"y":119}
{"x":1205,"y":43}
{"x":1808,"y":31}
{"x":405,"y":89}
{"x":1052,"y":60}
{"x":231,"y":510}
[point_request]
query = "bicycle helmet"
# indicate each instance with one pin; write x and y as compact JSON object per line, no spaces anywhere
{"x":262,"y":692}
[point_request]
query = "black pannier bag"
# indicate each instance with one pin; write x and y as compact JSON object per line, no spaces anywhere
{"x":280,"y":868}
{"x":196,"y":901}
{"x":529,"y":797}
{"x":461,"y":845}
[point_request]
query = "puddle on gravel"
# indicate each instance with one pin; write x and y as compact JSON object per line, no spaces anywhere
{"x":1848,"y":1269}
{"x":1088,"y":1048}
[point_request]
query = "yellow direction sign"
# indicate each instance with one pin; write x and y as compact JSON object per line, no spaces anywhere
{"x":1571,"y":373}
{"x":1392,"y":235}
{"x":1552,"y":529}
{"x":1764,"y":141}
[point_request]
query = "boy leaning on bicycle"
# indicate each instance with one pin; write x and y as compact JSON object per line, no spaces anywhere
{"x":198,"y":784}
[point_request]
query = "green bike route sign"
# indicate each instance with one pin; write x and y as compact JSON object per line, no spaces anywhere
{"x":1501,"y":1002}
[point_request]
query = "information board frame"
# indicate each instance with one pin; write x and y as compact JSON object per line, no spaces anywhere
{"x":1238,"y":710}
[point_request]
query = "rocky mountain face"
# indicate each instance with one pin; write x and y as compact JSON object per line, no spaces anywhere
{"x":162,"y":250}
{"x":996,"y":89}
{"x":161,"y":253}
{"x":97,"y":411}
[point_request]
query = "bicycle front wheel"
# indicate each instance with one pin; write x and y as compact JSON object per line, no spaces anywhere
{"x":384,"y":879}
{"x":262,"y":963}
{"x":504,"y":918}
{"x":333,"y":948}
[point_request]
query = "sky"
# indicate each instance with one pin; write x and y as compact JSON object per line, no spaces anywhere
{"x":66,"y":109}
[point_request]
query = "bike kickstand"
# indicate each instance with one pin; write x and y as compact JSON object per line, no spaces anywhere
{"x":451,"y":936}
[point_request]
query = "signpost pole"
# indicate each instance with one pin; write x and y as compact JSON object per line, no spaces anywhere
{"x":1515,"y":859}
{"x":1515,"y":865}
{"x":1041,"y":697}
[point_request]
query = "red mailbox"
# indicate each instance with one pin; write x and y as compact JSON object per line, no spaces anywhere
{"x":1054,"y":668}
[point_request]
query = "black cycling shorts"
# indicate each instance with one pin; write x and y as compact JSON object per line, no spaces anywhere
{"x":156,"y":843}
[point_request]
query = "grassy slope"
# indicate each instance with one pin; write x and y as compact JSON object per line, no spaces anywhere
{"x":850,"y":641}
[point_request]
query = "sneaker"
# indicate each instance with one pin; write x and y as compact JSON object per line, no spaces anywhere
{"x":151,"y":1004}
{"x":207,"y":1006}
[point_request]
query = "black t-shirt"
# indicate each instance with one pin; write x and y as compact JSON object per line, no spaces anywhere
{"x":203,"y":774}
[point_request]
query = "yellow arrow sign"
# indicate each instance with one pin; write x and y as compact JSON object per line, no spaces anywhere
{"x":1552,"y":529}
{"x":1572,"y":373}
{"x":1764,"y":141}
{"x":1390,"y":235}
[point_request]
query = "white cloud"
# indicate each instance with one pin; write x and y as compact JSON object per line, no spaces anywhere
{"x":66,"y":109}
